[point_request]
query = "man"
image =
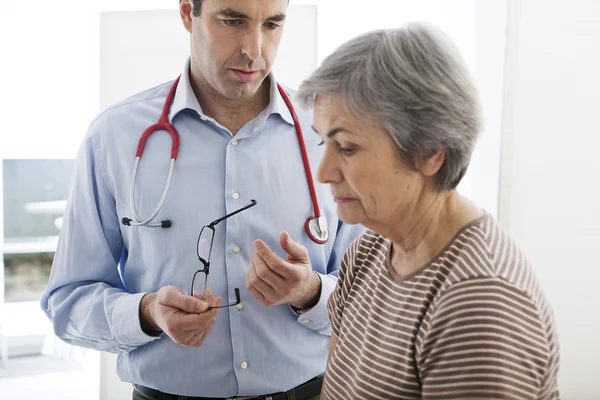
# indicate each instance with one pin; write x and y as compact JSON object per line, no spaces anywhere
{"x":123,"y":287}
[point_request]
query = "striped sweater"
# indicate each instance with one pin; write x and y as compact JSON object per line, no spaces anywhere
{"x":471,"y":324}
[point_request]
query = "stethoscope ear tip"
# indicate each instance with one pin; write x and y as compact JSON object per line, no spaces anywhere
{"x":126,"y":221}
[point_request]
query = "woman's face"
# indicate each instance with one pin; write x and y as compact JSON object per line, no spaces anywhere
{"x":371,"y":184}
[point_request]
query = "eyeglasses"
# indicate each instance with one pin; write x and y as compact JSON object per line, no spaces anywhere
{"x":204,"y":248}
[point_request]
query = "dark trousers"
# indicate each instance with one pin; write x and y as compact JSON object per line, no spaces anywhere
{"x":137,"y":396}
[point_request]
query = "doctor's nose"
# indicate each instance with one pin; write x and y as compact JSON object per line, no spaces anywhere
{"x":252,"y":45}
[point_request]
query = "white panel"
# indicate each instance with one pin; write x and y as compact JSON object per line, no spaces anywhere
{"x":297,"y":54}
{"x":489,"y":39}
{"x":551,"y":170}
{"x":142,"y":49}
{"x":139,"y":50}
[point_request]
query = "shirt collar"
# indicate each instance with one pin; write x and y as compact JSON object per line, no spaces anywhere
{"x":277,"y":104}
{"x":184,"y":96}
{"x":186,"y":99}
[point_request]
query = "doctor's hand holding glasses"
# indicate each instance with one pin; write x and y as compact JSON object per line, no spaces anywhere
{"x":188,"y":320}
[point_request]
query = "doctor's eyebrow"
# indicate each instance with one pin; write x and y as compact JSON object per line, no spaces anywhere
{"x":234,"y":14}
{"x":277,"y":18}
{"x":231,"y":13}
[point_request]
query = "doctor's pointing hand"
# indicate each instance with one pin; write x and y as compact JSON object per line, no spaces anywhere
{"x":274,"y":281}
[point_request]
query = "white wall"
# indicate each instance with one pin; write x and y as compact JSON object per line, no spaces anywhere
{"x":550,"y":186}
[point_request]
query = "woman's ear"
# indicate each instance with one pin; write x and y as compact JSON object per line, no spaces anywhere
{"x":431,"y":163}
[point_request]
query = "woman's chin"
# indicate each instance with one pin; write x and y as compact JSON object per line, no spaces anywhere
{"x":349,"y":216}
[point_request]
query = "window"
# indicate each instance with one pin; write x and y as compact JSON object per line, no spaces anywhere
{"x":34,"y":198}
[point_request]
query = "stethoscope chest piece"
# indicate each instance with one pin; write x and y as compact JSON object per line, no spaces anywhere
{"x":317,"y":229}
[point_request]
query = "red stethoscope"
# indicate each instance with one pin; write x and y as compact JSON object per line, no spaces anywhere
{"x":316,"y":226}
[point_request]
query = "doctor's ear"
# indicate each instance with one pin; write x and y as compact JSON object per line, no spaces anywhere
{"x":186,"y":10}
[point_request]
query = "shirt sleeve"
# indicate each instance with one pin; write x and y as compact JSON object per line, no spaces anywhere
{"x":85,"y":298}
{"x":483,"y":339}
{"x":317,"y":317}
{"x":340,"y":293}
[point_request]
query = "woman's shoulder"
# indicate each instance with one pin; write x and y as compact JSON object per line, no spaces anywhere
{"x":368,"y":249}
{"x":483,"y":249}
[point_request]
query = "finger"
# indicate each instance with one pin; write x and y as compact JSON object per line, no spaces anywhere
{"x":182,"y":326}
{"x":196,"y":322}
{"x":294,"y":250}
{"x":257,"y":283}
{"x":173,"y":297}
{"x":266,"y":274}
{"x":195,"y":338}
{"x":201,"y":336}
{"x":272,"y":260}
{"x":216,"y":302}
{"x":208,"y":295}
{"x":257,"y":295}
{"x":210,"y":298}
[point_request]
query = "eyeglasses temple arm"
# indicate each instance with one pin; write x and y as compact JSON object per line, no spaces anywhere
{"x":215,"y":222}
{"x":238,"y":300}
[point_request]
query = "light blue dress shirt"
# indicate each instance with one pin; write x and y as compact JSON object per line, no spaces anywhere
{"x":102,"y":269}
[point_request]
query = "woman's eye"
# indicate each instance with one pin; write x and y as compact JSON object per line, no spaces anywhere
{"x":347,"y":151}
{"x":321,"y":144}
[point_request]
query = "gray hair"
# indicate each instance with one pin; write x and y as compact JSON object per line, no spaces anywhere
{"x":413,"y":82}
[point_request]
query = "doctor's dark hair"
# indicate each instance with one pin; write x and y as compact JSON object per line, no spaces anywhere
{"x":198,"y":5}
{"x":196,"y":8}
{"x":411,"y":81}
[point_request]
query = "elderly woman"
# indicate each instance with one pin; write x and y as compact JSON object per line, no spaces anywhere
{"x":434,"y":300}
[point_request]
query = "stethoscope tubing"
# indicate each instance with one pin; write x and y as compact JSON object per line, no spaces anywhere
{"x":320,"y":234}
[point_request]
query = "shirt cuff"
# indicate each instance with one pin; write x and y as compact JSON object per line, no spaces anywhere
{"x":126,"y":321}
{"x":317,"y":318}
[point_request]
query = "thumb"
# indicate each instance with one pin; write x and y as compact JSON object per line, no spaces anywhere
{"x":295,"y":251}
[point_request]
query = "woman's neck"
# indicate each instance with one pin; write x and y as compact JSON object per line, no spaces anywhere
{"x":416,"y":240}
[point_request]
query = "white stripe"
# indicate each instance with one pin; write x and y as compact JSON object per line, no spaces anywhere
{"x":471,"y":381}
{"x":447,"y":353}
{"x":453,"y":393}
{"x":487,"y":361}
{"x":462,"y":324}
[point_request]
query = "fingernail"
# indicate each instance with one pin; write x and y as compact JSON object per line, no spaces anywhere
{"x":257,"y":243}
{"x":202,"y":306}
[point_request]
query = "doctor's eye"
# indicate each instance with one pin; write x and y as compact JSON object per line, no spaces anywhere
{"x":232,"y":22}
{"x":271,"y":25}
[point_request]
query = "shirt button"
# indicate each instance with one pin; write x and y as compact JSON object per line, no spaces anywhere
{"x":235,"y":195}
{"x":239,"y":306}
{"x":244,"y":365}
{"x":234,"y":142}
{"x":305,"y":321}
{"x":235,"y":249}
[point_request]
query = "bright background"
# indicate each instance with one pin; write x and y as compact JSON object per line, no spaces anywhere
{"x":535,"y":167}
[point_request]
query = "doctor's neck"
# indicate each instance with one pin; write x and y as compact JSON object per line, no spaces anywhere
{"x":232,"y":113}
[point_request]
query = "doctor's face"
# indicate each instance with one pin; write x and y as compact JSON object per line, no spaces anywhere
{"x":234,"y":42}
